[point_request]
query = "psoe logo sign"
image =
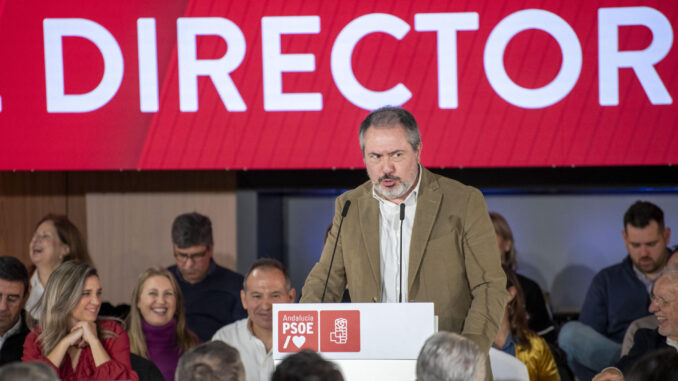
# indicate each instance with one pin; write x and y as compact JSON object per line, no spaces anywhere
{"x":297,"y":330}
{"x":340,"y":331}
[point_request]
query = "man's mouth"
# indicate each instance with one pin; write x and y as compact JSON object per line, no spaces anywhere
{"x":388,"y":180}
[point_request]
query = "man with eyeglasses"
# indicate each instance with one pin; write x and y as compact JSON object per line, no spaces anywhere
{"x":618,"y":294}
{"x":211,"y":292}
{"x":664,"y":306}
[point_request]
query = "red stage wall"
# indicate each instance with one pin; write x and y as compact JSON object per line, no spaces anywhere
{"x":285,"y":83}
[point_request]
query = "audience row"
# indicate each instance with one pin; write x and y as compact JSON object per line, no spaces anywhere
{"x":173,"y":310}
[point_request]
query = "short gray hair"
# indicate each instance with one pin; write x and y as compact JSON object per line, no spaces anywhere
{"x":670,"y":271}
{"x":447,"y":356}
{"x":389,"y":117}
{"x":27,"y":371}
{"x":211,"y":361}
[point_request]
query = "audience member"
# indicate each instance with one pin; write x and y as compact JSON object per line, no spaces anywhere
{"x":266,"y":282}
{"x":70,"y":338}
{"x":647,"y":322}
{"x":664,"y":296}
{"x":27,"y":371}
{"x":210,"y":291}
{"x":448,"y":356}
{"x":618,"y":294}
{"x":212,"y":361}
{"x":515,"y":338}
{"x":13,"y":295}
{"x":54,"y":241}
{"x":539,"y":319}
{"x":157,"y":325}
{"x":306,"y":366}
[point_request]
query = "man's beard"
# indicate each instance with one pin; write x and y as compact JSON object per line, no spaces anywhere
{"x":396,"y":191}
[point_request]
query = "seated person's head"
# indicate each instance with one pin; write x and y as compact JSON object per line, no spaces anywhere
{"x":660,"y":365}
{"x":27,"y":371}
{"x":193,"y":245}
{"x":211,"y":361}
{"x":14,"y":291}
{"x":504,"y":240}
{"x":447,"y":356}
{"x":306,"y":366}
{"x":72,"y":295}
{"x":157,"y":300}
{"x":265,"y":283}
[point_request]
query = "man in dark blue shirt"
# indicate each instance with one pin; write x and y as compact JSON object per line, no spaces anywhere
{"x":618,"y":294}
{"x":211,"y":292}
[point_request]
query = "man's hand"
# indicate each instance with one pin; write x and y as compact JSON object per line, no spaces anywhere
{"x":609,"y":374}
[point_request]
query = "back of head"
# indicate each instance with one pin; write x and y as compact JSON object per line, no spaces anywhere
{"x":503,"y":230}
{"x":70,"y":235}
{"x":641,"y":213}
{"x":306,"y":366}
{"x":192,"y":229}
{"x":447,"y":356}
{"x":12,"y":270}
{"x":27,"y":371}
{"x":211,"y":361}
{"x":659,"y":365}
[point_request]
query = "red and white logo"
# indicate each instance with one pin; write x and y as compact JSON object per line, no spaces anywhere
{"x":340,"y":331}
{"x":297,"y":330}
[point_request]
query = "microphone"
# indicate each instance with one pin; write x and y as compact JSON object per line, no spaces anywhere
{"x":334,"y":250}
{"x":402,"y":218}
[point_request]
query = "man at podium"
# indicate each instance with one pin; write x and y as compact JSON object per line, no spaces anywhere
{"x":409,"y":235}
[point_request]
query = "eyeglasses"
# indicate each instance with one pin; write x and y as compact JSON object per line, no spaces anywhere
{"x":183,"y":257}
{"x":661,"y":302}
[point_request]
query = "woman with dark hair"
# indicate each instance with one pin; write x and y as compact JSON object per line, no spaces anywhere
{"x":55,"y":240}
{"x":157,"y":323}
{"x":70,"y":337}
{"x":516,"y":339}
{"x":539,"y":319}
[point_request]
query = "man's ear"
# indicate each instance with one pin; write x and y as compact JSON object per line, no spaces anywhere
{"x":292,"y":295}
{"x":242,"y":299}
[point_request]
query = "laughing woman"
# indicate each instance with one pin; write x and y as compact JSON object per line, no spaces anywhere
{"x":157,"y":324}
{"x":70,"y":337}
{"x":55,"y":240}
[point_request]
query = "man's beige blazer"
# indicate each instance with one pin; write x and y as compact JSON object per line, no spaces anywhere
{"x":454,"y":258}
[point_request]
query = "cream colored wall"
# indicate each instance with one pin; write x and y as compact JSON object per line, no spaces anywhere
{"x":129,"y":232}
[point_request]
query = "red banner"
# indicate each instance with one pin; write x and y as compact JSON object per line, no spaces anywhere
{"x":207,"y":84}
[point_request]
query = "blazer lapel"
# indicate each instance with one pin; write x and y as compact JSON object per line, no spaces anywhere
{"x":369,"y":223}
{"x":428,"y":204}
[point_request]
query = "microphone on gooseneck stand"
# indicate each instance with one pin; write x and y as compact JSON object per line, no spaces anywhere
{"x":402,"y":218}
{"x":329,"y":271}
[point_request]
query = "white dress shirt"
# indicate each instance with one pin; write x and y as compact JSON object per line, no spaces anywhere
{"x":36,"y":292}
{"x":259,"y":365}
{"x":389,"y":243}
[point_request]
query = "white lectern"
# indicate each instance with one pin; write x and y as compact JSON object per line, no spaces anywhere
{"x":369,"y":341}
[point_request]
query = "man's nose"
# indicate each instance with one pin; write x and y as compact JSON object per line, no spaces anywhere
{"x":388,"y":166}
{"x":3,"y":303}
